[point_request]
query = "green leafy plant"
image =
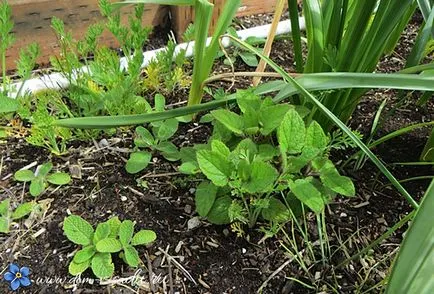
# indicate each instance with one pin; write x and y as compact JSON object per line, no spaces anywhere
{"x":8,"y":215}
{"x":40,"y":179}
{"x":252,"y":176}
{"x":97,"y":246}
{"x":158,"y":140}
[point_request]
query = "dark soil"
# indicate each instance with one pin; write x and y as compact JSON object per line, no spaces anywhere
{"x":213,"y":258}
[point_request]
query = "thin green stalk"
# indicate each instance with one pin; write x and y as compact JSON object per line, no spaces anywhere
{"x":296,"y":35}
{"x":321,"y":241}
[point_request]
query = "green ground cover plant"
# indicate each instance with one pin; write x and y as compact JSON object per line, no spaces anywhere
{"x":8,"y":214}
{"x":41,"y":178}
{"x":97,"y":246}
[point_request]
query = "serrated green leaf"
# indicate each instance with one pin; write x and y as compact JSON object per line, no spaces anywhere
{"x":230,"y":120}
{"x":131,"y":256}
{"x":24,"y":175}
{"x":108,"y":245}
{"x":102,"y":231}
{"x":143,"y":138}
{"x":276,"y":211}
{"x":206,"y":194}
{"x":220,"y":147}
{"x":77,"y":268}
{"x":114,"y":224}
{"x":214,"y":166}
{"x":262,"y":178}
{"x":247,"y":100}
{"x":189,"y":168}
{"x":4,"y":207}
{"x":143,"y":237}
{"x":37,"y":186}
{"x":84,"y":254}
{"x":187,"y":154}
{"x":271,"y":117}
{"x":22,"y":210}
{"x":167,"y":129}
{"x":138,"y":161}
{"x":4,"y":224}
{"x":126,"y":231}
{"x":59,"y":178}
{"x":8,"y":104}
{"x":219,"y":213}
{"x":307,"y":193}
{"x":267,"y":152}
{"x":291,"y":133}
{"x":315,"y":136}
{"x":102,"y":265}
{"x":78,"y":230}
{"x":337,"y":183}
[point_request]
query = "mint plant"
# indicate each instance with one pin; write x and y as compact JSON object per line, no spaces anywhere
{"x":264,"y":163}
{"x":146,"y":142}
{"x":8,"y":214}
{"x":40,"y":179}
{"x":97,"y":246}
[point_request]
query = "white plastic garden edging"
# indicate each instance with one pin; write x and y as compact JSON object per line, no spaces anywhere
{"x":58,"y":81}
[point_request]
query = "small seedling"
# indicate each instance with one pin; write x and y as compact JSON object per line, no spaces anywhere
{"x":7,"y":215}
{"x":109,"y":237}
{"x":158,"y":140}
{"x":40,"y":179}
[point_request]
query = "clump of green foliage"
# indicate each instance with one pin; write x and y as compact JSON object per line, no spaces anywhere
{"x":263,"y":162}
{"x":147,"y":142}
{"x":8,"y":215}
{"x":40,"y":179}
{"x":98,"y":245}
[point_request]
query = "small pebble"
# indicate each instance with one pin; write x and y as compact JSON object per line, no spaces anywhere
{"x":193,"y":223}
{"x":103,"y":143}
{"x":124,"y":198}
{"x":187,"y":209}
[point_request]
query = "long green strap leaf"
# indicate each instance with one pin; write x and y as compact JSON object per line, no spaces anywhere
{"x":413,"y":270}
{"x":332,"y":117}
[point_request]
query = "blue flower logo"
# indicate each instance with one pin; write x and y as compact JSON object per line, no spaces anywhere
{"x":17,"y":276}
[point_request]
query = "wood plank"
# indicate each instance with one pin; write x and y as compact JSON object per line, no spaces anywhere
{"x":33,"y":23}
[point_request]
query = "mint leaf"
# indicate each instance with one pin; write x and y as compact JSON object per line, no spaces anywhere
{"x":59,"y":178}
{"x":143,"y":237}
{"x":37,"y":186}
{"x":126,"y":231}
{"x":249,"y":58}
{"x":4,"y":224}
{"x":291,"y":133}
{"x":220,"y":147}
{"x":114,"y":224}
{"x":78,"y":230}
{"x":271,"y":117}
{"x":22,"y":210}
{"x":24,"y":175}
{"x":219,"y":212}
{"x":267,"y":152}
{"x":108,"y":245}
{"x":131,"y":256}
{"x":78,"y":268}
{"x":84,"y":254}
{"x":215,"y":166}
{"x":262,"y":177}
{"x":230,"y":120}
{"x":189,"y":168}
{"x":276,"y":211}
{"x":143,"y":138}
{"x":44,"y":169}
{"x":307,"y":193}
{"x":169,"y":150}
{"x":315,"y":136}
{"x":206,"y":194}
{"x":4,"y":207}
{"x":137,"y":162}
{"x":102,"y":265}
{"x":160,"y":102}
{"x":102,"y":231}
{"x":167,"y":129}
{"x":337,"y":183}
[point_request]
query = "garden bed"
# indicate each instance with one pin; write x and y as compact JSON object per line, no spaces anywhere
{"x":209,"y":258}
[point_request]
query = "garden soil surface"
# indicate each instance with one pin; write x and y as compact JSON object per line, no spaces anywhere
{"x":190,"y":255}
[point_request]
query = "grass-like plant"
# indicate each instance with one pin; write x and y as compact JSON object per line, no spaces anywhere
{"x":204,"y":53}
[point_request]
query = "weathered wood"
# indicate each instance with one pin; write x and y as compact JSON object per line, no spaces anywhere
{"x":183,"y":16}
{"x":33,"y":23}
